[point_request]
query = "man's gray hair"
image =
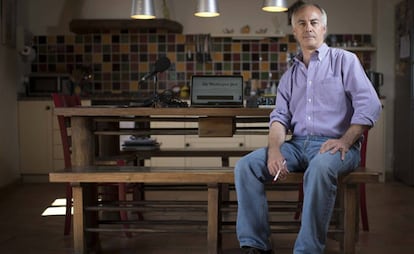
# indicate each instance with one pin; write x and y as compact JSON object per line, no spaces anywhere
{"x":324,"y":17}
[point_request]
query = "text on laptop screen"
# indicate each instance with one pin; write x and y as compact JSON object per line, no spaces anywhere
{"x":217,"y":90}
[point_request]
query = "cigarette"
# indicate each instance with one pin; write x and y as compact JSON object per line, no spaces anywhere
{"x":278,"y":172}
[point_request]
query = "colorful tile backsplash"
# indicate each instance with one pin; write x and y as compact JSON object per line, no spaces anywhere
{"x":117,"y":61}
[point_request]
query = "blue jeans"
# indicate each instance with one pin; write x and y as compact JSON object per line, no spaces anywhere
{"x":319,"y":183}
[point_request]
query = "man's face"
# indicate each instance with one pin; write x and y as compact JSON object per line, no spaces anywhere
{"x":308,"y":28}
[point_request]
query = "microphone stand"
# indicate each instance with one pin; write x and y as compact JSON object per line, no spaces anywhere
{"x":155,"y":98}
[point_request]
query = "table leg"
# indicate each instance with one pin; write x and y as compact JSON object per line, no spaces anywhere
{"x":225,"y":190}
{"x":82,"y":141}
{"x":214,"y":219}
{"x":350,"y":217}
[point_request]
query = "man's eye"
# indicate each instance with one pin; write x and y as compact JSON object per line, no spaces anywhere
{"x":314,"y":23}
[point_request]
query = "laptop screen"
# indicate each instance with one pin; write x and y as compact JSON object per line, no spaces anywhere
{"x":216,"y":91}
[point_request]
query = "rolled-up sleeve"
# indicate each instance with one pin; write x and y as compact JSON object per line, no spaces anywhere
{"x":281,"y":112}
{"x":365,"y":101}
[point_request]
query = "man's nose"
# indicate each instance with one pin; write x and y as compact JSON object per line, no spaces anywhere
{"x":308,"y":27}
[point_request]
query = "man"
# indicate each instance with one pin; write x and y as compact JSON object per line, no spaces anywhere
{"x":326,"y":101}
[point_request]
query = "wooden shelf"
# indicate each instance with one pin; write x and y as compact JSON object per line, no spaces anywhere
{"x":88,"y":26}
{"x":240,"y":36}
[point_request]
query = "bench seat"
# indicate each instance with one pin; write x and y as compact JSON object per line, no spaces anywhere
{"x":345,"y":228}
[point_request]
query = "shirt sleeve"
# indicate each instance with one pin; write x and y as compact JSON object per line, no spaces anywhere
{"x":365,"y":102}
{"x":281,"y":111}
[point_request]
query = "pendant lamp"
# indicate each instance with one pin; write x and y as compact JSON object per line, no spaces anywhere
{"x":207,"y":9}
{"x":274,"y":5}
{"x":143,"y":9}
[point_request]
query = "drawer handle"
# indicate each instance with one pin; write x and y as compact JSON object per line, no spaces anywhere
{"x":187,"y":144}
{"x":47,"y":107}
{"x":241,"y":144}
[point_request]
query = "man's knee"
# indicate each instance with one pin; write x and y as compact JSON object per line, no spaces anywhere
{"x":324,"y":165}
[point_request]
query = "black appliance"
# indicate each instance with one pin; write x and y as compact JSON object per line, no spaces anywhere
{"x":404,"y":93}
{"x":377,"y":80}
{"x":44,"y":84}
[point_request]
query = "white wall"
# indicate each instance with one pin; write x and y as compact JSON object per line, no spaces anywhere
{"x":343,"y":16}
{"x":237,"y":13}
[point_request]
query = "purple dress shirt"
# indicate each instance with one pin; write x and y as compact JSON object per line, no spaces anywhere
{"x":327,"y":97}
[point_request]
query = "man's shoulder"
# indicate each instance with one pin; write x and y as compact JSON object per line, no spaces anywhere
{"x":340,"y":51}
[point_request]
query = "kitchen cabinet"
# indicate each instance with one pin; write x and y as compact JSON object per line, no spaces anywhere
{"x":35,"y":137}
{"x":40,"y":144}
{"x":195,"y":142}
{"x":168,"y":141}
{"x":192,"y":142}
{"x":249,"y":141}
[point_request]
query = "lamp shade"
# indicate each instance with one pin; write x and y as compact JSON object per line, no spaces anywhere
{"x":143,"y":9}
{"x":207,"y":8}
{"x":274,"y":5}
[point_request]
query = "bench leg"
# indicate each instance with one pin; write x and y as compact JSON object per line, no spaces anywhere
{"x":350,"y":217}
{"x":83,"y":241}
{"x":214,"y":219}
{"x":78,"y":230}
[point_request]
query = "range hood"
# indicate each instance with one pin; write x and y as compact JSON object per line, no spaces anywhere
{"x":88,"y":26}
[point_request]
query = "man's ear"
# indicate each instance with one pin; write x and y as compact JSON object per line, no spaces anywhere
{"x":326,"y":30}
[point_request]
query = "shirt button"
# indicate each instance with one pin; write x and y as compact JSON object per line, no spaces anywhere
{"x":309,"y":118}
{"x":309,"y":100}
{"x":310,"y":82}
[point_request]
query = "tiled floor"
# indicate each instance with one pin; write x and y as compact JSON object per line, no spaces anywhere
{"x":25,"y":231}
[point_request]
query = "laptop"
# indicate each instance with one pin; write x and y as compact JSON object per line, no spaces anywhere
{"x":216,"y":91}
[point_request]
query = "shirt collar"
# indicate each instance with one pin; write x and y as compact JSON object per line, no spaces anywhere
{"x":320,"y":53}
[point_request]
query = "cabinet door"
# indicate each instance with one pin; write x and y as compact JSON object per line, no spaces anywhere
{"x":256,"y":140}
{"x":168,"y":141}
{"x":194,"y":142}
{"x":35,"y":135}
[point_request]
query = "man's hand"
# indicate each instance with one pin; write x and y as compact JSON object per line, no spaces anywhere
{"x":343,"y":144}
{"x":335,"y":145}
{"x":276,"y":163}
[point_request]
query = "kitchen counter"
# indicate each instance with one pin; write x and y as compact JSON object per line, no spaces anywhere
{"x":104,"y":98}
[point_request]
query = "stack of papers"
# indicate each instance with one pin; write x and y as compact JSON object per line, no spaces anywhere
{"x":140,"y":144}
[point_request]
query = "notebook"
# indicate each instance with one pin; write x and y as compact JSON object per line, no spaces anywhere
{"x":216,"y":91}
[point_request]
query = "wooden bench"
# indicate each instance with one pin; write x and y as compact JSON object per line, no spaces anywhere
{"x":85,"y":227}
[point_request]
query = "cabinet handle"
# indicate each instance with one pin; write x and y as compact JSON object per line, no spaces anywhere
{"x":47,"y":107}
{"x":187,"y":144}
{"x":241,"y":144}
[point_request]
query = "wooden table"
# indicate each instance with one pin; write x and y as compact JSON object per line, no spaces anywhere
{"x":213,"y":122}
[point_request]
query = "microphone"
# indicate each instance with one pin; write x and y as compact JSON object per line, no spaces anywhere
{"x":161,"y":65}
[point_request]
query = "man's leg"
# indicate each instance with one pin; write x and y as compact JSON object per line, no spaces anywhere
{"x":252,"y":213}
{"x":251,"y":173}
{"x":320,"y":185}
